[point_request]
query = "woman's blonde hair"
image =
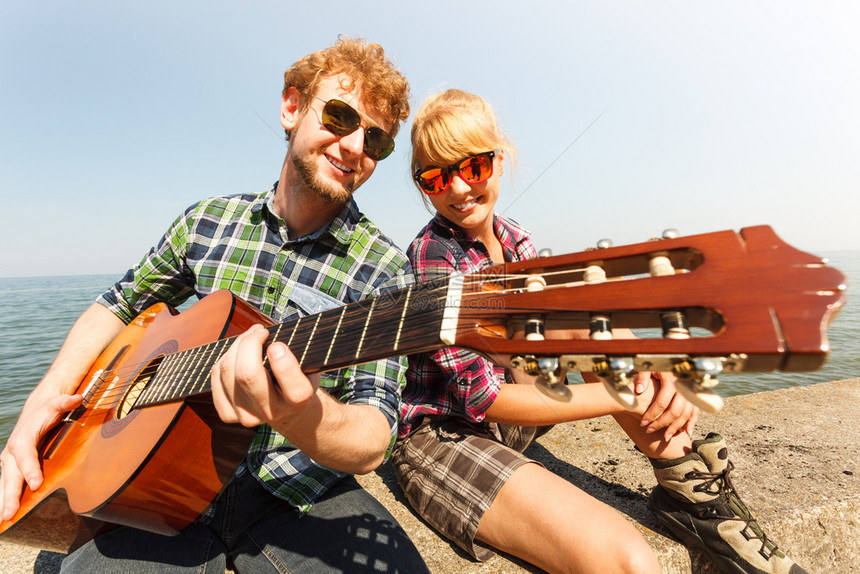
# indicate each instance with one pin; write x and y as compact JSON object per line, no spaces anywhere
{"x":453,"y":125}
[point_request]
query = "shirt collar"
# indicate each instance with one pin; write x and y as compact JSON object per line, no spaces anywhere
{"x":341,"y":227}
{"x":509,"y":232}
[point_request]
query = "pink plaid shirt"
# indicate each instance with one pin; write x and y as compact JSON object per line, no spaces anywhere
{"x":454,"y":381}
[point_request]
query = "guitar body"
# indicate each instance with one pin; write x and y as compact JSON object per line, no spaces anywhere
{"x":156,"y":468}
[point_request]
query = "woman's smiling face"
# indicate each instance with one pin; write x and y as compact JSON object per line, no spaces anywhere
{"x":470,"y":206}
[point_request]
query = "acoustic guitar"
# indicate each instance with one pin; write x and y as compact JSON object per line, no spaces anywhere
{"x":147,"y":449}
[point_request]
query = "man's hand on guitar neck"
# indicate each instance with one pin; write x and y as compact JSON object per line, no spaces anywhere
{"x":243,"y":391}
{"x":349,"y":438}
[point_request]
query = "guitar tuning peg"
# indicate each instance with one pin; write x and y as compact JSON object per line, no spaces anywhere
{"x":623,"y":394}
{"x":552,"y":380}
{"x":615,"y":373}
{"x":669,"y":233}
{"x":696,"y":380}
{"x":604,"y":243}
{"x":545,"y":253}
{"x":555,"y":390}
{"x":705,"y":399}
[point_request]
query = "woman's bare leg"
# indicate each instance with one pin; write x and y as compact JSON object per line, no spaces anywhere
{"x":547,"y":521}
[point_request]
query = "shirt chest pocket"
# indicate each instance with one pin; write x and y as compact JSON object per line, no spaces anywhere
{"x":304,"y":300}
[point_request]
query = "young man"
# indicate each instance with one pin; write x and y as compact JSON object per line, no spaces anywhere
{"x":301,"y":247}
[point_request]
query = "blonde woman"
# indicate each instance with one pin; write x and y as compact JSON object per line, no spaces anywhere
{"x":465,"y":421}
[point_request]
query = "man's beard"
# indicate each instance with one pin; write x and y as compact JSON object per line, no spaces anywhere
{"x":307,"y":170}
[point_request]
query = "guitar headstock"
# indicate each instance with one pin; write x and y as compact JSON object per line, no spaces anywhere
{"x":725,"y":301}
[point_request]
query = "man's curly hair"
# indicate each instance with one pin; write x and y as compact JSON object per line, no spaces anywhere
{"x":367,"y":69}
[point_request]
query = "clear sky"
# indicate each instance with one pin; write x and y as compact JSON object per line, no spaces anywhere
{"x":629,"y":116}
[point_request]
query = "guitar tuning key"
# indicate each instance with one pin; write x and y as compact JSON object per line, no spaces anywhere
{"x":705,"y":399}
{"x":535,"y":330}
{"x":674,"y":325}
{"x":535,"y":282}
{"x":600,"y":327}
{"x":659,"y":263}
{"x":552,"y":380}
{"x":696,"y":381}
{"x":615,"y":374}
{"x":594,"y":273}
{"x":668,"y":233}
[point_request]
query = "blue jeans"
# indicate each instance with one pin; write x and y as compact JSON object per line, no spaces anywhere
{"x":253,"y":532}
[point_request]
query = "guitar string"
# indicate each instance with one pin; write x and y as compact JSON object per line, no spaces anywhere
{"x":351,"y":326}
{"x":105,"y":395}
{"x":124,"y":388}
{"x":473,"y":280}
{"x":130,"y":367}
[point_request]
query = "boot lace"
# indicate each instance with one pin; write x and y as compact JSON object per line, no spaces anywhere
{"x":726,"y":491}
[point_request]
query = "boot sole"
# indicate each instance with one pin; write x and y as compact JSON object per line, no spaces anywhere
{"x":692,"y":540}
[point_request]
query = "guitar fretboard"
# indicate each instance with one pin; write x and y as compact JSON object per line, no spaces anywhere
{"x":396,"y":323}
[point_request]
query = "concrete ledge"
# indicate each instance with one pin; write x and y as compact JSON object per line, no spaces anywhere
{"x":797,"y":463}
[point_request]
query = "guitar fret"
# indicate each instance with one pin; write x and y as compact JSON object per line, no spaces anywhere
{"x":177,"y":373}
{"x":310,"y":338}
{"x":364,"y":331}
{"x":153,"y":386}
{"x":402,"y":317}
{"x":198,"y":383}
{"x":274,"y":337}
{"x":200,"y":355}
{"x":210,"y":358}
{"x":218,"y":351}
{"x":201,"y":372}
{"x":204,"y":359}
{"x":293,"y":334}
{"x":162,"y":383}
{"x":334,"y":335}
{"x":181,"y":390}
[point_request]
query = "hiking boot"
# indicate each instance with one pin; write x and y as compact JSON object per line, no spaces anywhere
{"x":696,"y":500}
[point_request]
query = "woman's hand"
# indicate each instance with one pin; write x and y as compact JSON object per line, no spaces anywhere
{"x":666,"y":409}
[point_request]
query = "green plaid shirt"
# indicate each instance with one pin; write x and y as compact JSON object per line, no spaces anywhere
{"x":238,"y":243}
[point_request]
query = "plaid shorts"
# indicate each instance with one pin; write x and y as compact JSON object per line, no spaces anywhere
{"x":451,"y":471}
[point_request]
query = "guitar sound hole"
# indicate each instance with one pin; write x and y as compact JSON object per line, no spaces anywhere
{"x":136,"y":388}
